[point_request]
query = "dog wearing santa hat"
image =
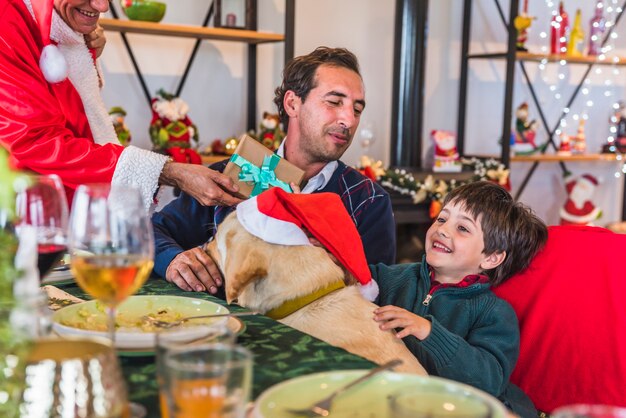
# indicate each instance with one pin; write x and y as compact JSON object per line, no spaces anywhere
{"x":269,"y":265}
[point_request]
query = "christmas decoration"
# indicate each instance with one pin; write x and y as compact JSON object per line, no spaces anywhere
{"x":579,"y":208}
{"x":171,"y":130}
{"x":616,"y":142}
{"x":370,"y":168}
{"x":121,"y":130}
{"x":146,"y":10}
{"x":579,"y":144}
{"x":597,"y":26}
{"x":559,"y":31}
{"x":435,"y":191}
{"x":446,"y":154}
{"x":575,"y":46}
{"x":522,"y":22}
{"x":230,"y":145}
{"x":270,"y":132}
{"x":525,"y":131}
{"x":565,"y":147}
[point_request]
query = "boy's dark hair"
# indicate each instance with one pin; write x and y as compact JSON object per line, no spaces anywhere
{"x":507,"y":226}
{"x":299,"y":74}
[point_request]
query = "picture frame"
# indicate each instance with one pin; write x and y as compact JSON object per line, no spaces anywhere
{"x":235,"y":14}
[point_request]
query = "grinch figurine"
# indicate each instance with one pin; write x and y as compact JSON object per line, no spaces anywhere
{"x":171,"y":130}
{"x":121,"y":130}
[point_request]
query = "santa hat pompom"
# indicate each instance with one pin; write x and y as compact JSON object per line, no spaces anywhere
{"x":51,"y":62}
{"x":279,"y":217}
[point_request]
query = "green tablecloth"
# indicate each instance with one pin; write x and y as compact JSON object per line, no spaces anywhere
{"x":280,"y":352}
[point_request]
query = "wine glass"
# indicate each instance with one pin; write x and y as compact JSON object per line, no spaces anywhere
{"x":41,"y":205}
{"x":367,"y":135}
{"x":111,"y":244}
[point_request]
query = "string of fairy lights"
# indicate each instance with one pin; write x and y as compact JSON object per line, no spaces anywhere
{"x":604,"y":75}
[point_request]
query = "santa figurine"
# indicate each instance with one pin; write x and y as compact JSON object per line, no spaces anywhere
{"x":446,"y":153}
{"x":579,"y":208}
{"x":565,"y":147}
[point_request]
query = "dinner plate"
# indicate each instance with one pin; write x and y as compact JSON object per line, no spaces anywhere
{"x":368,"y":399}
{"x":89,"y":318}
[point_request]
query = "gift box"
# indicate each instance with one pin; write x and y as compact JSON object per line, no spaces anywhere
{"x":255,"y":169}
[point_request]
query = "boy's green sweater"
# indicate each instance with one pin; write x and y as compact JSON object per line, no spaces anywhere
{"x":474,"y":337}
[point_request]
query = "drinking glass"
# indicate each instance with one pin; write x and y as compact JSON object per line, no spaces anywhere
{"x":437,"y":401}
{"x":41,"y":205}
{"x":589,"y":411}
{"x":181,"y":337}
{"x":208,"y":381}
{"x":111,"y":244}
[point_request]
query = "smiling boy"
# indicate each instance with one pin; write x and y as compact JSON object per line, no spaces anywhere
{"x":443,"y":307}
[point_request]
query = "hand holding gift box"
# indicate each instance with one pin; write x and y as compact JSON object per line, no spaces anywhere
{"x":255,"y":169}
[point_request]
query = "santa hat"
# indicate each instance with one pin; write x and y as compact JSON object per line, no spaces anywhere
{"x":278,"y":217}
{"x":52,"y":63}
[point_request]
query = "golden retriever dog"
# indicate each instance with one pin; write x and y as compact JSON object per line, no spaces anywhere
{"x":262,"y":276}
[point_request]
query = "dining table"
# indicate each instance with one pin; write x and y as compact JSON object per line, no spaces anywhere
{"x":279,"y":351}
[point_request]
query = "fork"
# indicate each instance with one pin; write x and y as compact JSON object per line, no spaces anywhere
{"x":322,"y":407}
{"x":170,"y":324}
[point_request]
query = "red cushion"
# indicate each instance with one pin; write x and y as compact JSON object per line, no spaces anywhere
{"x":571,"y":303}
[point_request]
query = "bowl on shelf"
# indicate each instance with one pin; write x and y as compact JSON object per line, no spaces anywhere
{"x":146,"y":10}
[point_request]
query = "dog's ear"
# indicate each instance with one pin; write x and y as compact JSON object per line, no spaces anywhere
{"x":244,"y":265}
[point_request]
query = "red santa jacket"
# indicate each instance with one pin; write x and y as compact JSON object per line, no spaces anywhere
{"x":44,"y":126}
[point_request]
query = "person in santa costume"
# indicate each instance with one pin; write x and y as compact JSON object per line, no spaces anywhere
{"x":579,"y":208}
{"x":52,"y":117}
{"x":320,"y":103}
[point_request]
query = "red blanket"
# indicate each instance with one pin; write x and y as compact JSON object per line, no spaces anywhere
{"x":571,"y":303}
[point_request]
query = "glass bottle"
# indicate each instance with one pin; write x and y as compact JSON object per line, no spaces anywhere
{"x":597,"y":26}
{"x":559,"y":31}
{"x":575,"y":45}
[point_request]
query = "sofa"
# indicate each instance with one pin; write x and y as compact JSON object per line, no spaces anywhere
{"x":571,"y":305}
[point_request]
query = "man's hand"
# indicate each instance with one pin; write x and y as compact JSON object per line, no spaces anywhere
{"x":391,"y":317}
{"x":96,"y":40}
{"x":194,"y":270}
{"x":205,"y":185}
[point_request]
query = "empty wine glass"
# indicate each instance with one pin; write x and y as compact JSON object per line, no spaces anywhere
{"x":366,"y":135}
{"x":41,"y":205}
{"x":111,"y":244}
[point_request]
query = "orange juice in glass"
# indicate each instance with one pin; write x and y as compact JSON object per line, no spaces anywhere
{"x":207,"y":381}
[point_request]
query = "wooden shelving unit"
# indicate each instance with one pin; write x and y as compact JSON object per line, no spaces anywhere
{"x":547,"y":158}
{"x":188,"y":31}
{"x":609,"y":60}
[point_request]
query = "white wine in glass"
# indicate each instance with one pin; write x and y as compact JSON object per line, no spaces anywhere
{"x":111,"y":244}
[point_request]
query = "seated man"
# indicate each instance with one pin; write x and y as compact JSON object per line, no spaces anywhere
{"x":320,"y":103}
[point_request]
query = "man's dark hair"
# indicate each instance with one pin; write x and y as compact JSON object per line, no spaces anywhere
{"x":507,"y":226}
{"x":299,"y":74}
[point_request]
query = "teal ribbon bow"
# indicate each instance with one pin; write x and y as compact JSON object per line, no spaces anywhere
{"x":263,"y":177}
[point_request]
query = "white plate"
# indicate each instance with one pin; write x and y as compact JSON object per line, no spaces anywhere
{"x":365,"y":400}
{"x":86,"y":318}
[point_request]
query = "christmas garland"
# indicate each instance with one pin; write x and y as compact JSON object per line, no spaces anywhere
{"x":429,"y":189}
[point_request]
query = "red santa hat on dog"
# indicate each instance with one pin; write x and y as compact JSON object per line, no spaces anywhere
{"x":52,"y":63}
{"x":278,"y":217}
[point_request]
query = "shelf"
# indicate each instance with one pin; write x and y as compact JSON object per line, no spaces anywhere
{"x":187,"y":31}
{"x":210,"y":159}
{"x":526,"y":56}
{"x":574,"y":158}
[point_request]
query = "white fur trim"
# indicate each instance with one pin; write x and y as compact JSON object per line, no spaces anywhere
{"x":583,"y":219}
{"x":53,"y":64}
{"x":272,"y":230}
{"x":140,"y":168}
{"x":370,"y":290}
{"x":84,"y":77}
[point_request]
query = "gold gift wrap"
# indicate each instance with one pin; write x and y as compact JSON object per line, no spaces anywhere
{"x":254,"y":153}
{"x":77,"y":378}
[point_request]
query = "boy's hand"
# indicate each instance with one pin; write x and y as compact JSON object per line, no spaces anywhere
{"x":391,"y":317}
